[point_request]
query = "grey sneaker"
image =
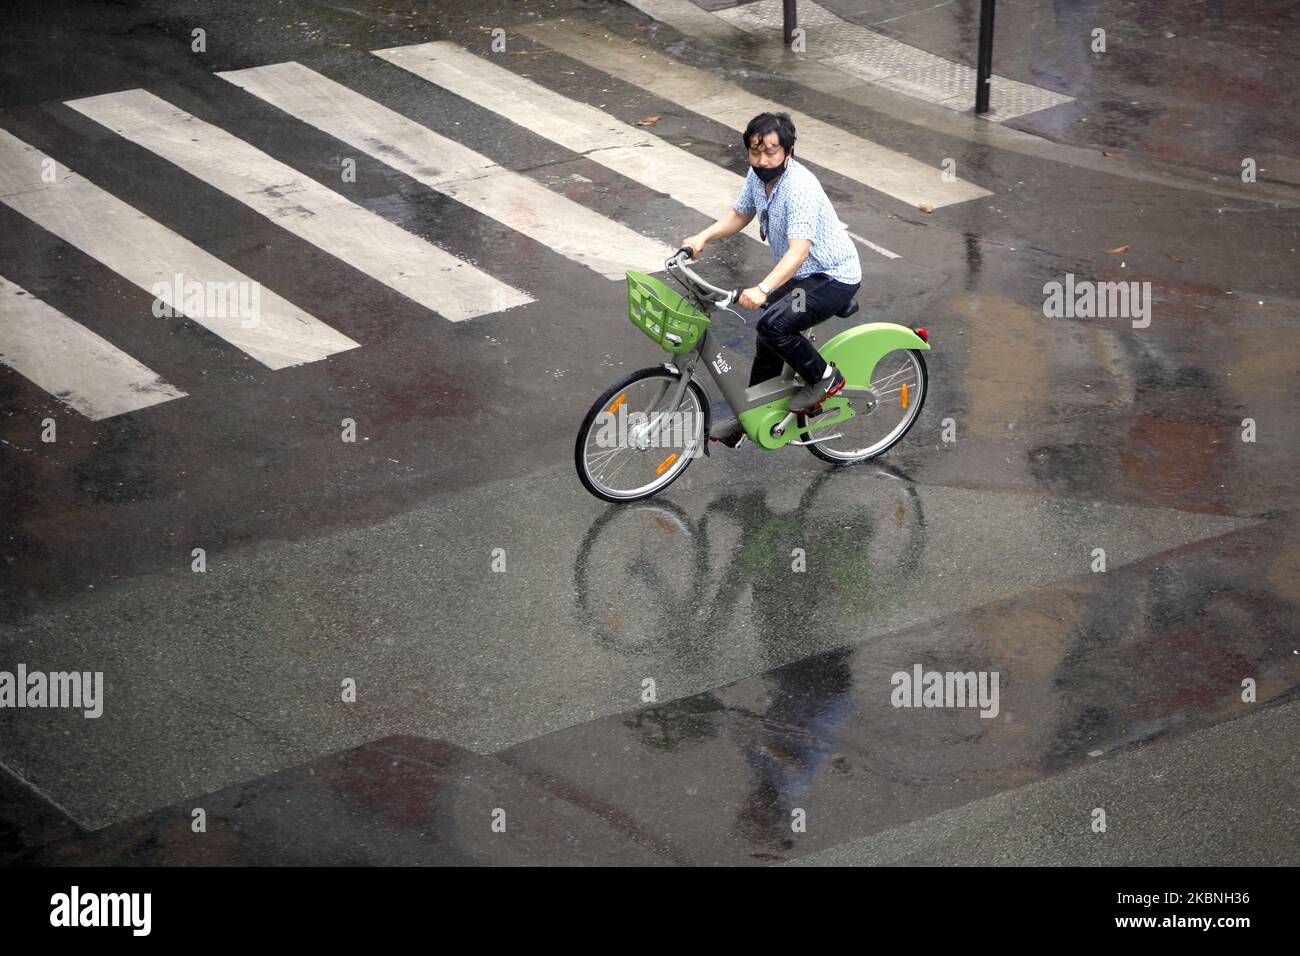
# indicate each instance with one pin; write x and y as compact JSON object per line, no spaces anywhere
{"x":810,"y":396}
{"x":729,"y":432}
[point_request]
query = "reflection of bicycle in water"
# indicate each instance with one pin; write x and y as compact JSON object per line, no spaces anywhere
{"x":645,"y":579}
{"x":650,"y":580}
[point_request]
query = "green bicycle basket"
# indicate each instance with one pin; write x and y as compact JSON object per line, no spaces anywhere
{"x":659,"y":312}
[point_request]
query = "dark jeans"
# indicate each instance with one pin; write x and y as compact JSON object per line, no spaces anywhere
{"x":779,"y":340}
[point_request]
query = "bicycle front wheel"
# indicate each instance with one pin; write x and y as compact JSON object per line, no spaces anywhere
{"x":884,"y":410}
{"x":631,"y":444}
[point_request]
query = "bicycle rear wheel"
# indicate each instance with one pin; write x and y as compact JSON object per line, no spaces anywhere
{"x":883,"y":410}
{"x":631,"y":444}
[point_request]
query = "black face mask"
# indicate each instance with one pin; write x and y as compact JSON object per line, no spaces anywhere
{"x":768,"y":174}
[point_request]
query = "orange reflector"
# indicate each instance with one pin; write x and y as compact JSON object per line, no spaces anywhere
{"x":904,"y":394}
{"x":613,"y":408}
{"x":666,"y":462}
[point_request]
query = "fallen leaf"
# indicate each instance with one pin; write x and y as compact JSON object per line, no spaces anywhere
{"x":1118,"y":249}
{"x":1112,"y":152}
{"x":1176,"y":258}
{"x":649,"y":121}
{"x":925,"y":207}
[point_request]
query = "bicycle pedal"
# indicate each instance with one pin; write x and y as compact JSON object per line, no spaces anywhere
{"x":819,"y":410}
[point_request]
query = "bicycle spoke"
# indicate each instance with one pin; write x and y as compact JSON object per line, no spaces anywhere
{"x":631,"y":455}
{"x":907,"y":367}
{"x":605,"y":476}
{"x":610,"y":458}
{"x":896,"y":391}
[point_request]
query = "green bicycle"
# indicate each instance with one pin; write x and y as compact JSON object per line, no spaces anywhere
{"x":644,"y":431}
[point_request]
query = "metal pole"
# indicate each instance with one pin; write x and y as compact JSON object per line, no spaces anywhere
{"x":788,"y":32}
{"x":984,"y":67}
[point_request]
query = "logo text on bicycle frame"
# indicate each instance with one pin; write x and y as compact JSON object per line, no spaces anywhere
{"x":721,"y":365}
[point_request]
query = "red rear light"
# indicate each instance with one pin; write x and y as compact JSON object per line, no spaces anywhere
{"x":925,"y":336}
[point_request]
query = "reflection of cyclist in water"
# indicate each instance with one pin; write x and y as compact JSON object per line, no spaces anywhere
{"x":787,"y":744}
{"x":791,"y":740}
{"x":856,"y":557}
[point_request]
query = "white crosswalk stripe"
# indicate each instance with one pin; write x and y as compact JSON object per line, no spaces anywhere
{"x":875,"y":248}
{"x":628,"y":150}
{"x":874,"y":166}
{"x":99,"y":380}
{"x":368,"y":242}
{"x":150,"y":255}
{"x":71,"y":362}
{"x":602,"y":244}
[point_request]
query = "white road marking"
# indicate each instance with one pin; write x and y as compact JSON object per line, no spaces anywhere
{"x":71,"y":362}
{"x":861,"y":160}
{"x":875,"y":248}
{"x":367,"y":242}
{"x":149,"y":254}
{"x":604,"y":245}
{"x":630,"y":151}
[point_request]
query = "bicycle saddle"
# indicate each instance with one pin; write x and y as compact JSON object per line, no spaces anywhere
{"x":844,"y":313}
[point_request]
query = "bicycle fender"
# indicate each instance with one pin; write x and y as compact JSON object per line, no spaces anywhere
{"x":856,"y":351}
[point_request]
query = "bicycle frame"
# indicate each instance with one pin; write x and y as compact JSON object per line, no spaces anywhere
{"x":763,"y":409}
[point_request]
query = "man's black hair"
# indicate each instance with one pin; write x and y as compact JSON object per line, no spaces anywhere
{"x":765,"y":123}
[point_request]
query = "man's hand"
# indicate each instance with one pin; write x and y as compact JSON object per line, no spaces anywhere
{"x":696,"y":244}
{"x":752,"y":298}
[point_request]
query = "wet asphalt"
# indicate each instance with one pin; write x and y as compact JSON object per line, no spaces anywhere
{"x":524,"y":690}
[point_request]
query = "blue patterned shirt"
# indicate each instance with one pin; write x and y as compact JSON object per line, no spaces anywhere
{"x":799,"y":209}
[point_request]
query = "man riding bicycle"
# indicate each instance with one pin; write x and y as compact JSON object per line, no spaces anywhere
{"x":811,"y":252}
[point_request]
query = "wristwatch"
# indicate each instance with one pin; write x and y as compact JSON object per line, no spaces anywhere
{"x":762,"y":287}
